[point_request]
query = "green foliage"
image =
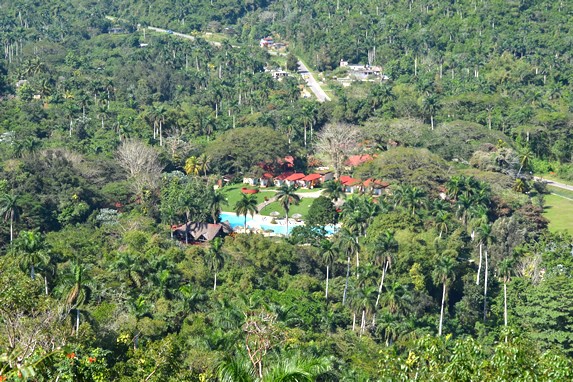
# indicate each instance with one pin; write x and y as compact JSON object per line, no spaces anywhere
{"x":240,"y":150}
{"x":93,"y":287}
{"x":321,"y":212}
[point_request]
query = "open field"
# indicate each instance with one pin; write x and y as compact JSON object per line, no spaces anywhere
{"x":559,"y":211}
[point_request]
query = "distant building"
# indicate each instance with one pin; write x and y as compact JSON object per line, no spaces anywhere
{"x":266,"y":42}
{"x":363,"y":72}
{"x":116,"y":30}
{"x":200,"y":232}
{"x":279,"y":74}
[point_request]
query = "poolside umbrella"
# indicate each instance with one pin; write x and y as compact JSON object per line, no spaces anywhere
{"x":297,"y":216}
{"x":274,"y":214}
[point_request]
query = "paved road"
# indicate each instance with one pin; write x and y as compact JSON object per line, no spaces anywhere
{"x":554,"y":184}
{"x":187,"y":36}
{"x":312,"y":83}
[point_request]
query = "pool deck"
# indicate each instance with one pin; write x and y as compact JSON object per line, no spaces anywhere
{"x":256,"y":223}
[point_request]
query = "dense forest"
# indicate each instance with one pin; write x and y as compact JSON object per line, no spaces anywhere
{"x":442,"y":267}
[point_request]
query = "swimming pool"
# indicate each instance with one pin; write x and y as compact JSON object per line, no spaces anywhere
{"x":239,"y":221}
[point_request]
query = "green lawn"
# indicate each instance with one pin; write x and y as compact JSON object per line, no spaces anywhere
{"x":560,"y":191}
{"x":301,"y":208}
{"x":559,"y":211}
{"x":233,"y":194}
{"x":307,"y":190}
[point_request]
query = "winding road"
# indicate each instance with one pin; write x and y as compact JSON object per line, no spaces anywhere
{"x":302,"y":69}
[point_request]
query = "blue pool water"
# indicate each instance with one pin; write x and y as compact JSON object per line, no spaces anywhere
{"x":239,"y":221}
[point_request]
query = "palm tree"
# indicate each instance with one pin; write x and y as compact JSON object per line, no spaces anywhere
{"x":286,"y":195}
{"x":334,"y":190}
{"x":484,"y":235}
{"x":328,"y":253}
{"x":442,"y":219}
{"x":444,"y":273}
{"x":191,"y":166}
{"x":285,"y":367}
{"x":348,"y":245}
{"x":364,"y":299}
{"x":505,"y":271}
{"x":385,"y":246}
{"x":215,"y":258}
{"x":79,"y":291}
{"x":32,"y":251}
{"x":127,"y":265}
{"x":410,"y":197}
{"x":396,"y":297}
{"x":246,"y":205}
{"x":464,"y":203}
{"x":10,"y":209}
{"x":218,"y":199}
{"x":430,"y":106}
{"x":204,"y":161}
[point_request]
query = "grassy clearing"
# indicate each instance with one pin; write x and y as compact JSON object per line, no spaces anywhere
{"x":561,"y":192}
{"x":307,"y":190}
{"x":559,"y":211}
{"x":233,"y":194}
{"x":301,"y":208}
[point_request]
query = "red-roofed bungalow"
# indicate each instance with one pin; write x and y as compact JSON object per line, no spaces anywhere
{"x":374,"y":186}
{"x":294,"y":178}
{"x":350,"y":184}
{"x":311,"y":181}
{"x":266,"y":180}
{"x":280,"y":179}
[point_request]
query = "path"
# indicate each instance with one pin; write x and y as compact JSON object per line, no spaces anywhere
{"x":312,"y":83}
{"x":183,"y":35}
{"x":554,"y":183}
{"x":266,"y":203}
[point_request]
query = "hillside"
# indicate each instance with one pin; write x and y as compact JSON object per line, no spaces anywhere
{"x":425,"y":253}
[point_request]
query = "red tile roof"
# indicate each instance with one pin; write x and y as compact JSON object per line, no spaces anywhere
{"x":283,"y":176}
{"x":348,"y":180}
{"x":353,"y":182}
{"x":356,"y":160}
{"x":296,"y":176}
{"x":311,"y":177}
{"x":375,"y":183}
{"x":267,"y":175}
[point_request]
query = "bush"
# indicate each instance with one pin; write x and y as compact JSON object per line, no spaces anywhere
{"x":565,"y":172}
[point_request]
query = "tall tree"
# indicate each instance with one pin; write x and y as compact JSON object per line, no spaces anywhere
{"x":505,"y":267}
{"x":286,"y":196}
{"x":215,"y":258}
{"x":32,"y":251}
{"x":10,"y":209}
{"x":444,"y":273}
{"x":348,"y":244}
{"x":246,"y":205}
{"x":385,"y":247}
{"x":334,"y":190}
{"x":218,"y":199}
{"x":336,"y":142}
{"x":78,"y":287}
{"x":328,"y":254}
